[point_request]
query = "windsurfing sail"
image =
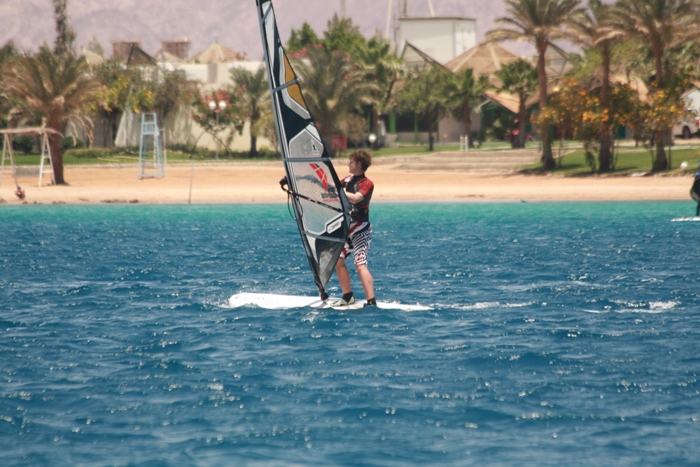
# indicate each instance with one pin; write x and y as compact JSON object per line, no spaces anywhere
{"x":320,"y":206}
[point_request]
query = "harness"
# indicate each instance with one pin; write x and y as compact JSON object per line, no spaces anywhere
{"x":358,"y":213}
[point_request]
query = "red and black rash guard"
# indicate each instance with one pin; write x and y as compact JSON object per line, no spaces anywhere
{"x":363,"y":185}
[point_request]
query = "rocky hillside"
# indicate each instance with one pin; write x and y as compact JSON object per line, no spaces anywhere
{"x":231,"y":22}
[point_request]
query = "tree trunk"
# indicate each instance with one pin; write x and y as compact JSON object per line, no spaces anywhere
{"x":547,"y":158}
{"x":433,"y":129}
{"x":253,"y":145}
{"x":605,"y":155}
{"x":660,"y":163}
{"x":375,"y":121}
{"x":605,"y":137}
{"x":467,"y":120}
{"x":522,"y":115}
{"x":56,"y":158}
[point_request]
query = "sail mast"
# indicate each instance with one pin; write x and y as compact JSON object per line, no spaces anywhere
{"x":320,"y":206}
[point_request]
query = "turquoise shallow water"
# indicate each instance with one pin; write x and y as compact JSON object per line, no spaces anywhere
{"x":560,"y":334}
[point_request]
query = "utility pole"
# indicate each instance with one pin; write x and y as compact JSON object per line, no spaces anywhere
{"x":405,"y":9}
{"x":342,"y":8}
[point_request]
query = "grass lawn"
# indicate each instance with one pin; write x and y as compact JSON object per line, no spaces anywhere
{"x":131,"y":156}
{"x":102,"y":156}
{"x":628,"y":158}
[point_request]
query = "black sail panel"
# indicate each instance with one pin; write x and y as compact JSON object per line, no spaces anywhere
{"x":319,"y":204}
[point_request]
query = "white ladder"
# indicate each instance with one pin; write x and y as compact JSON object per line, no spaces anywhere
{"x":151,"y":163}
{"x":46,"y":155}
{"x":7,"y":154}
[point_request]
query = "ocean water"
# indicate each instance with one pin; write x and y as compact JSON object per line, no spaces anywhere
{"x":560,"y":334}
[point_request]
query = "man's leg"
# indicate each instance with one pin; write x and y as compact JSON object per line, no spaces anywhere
{"x":366,"y":279}
{"x":343,"y":275}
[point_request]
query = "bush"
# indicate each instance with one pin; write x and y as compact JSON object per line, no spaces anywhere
{"x":24,"y":143}
{"x":94,"y":153}
{"x":263,"y":153}
{"x":477,"y":137}
{"x":67,"y":143}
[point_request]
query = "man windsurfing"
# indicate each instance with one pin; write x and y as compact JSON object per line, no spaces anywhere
{"x":358,"y":190}
{"x":695,"y":193}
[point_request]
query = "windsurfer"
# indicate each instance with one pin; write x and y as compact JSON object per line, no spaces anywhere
{"x":695,"y":193}
{"x":358,"y":190}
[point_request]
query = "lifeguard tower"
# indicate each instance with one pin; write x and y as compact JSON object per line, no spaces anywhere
{"x":151,"y":163}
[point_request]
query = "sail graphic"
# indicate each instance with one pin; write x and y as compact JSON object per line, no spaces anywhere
{"x":320,"y":206}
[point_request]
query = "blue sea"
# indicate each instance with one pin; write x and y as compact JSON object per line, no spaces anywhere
{"x":559,"y":334}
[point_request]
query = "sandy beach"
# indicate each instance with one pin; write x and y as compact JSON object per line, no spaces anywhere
{"x":257,"y":182}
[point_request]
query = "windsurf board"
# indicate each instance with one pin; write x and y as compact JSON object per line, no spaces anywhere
{"x":282,"y":302}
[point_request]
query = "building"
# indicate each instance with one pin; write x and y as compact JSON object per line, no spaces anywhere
{"x":441,"y":38}
{"x":211,"y":67}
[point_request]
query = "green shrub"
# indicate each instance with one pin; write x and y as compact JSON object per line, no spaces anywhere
{"x":95,"y":153}
{"x":67,"y":143}
{"x":263,"y":153}
{"x":24,"y":143}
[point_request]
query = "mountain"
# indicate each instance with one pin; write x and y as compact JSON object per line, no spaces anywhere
{"x":233,"y":23}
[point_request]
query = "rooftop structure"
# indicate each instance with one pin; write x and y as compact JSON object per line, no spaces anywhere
{"x":442,"y":38}
{"x":485,"y":59}
{"x":217,"y":53}
{"x":177,"y":48}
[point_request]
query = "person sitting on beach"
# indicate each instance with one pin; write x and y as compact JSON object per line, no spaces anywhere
{"x":358,"y":189}
{"x":695,"y":193}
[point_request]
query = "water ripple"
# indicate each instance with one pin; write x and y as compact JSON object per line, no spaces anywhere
{"x":556,"y":337}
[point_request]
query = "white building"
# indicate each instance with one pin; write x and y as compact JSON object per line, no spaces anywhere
{"x":212,"y":68}
{"x":442,"y":38}
{"x":690,"y":125}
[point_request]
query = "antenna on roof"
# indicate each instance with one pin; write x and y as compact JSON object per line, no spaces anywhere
{"x":388,"y":20}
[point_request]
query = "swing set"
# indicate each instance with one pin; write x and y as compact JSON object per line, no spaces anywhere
{"x":8,"y":153}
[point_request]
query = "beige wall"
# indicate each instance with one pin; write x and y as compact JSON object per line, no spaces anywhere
{"x":441,"y":38}
{"x":181,"y":128}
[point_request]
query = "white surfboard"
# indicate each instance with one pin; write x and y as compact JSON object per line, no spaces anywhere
{"x":686,"y":219}
{"x":281,"y":302}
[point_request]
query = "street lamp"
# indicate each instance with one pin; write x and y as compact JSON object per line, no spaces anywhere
{"x":372,"y":138}
{"x":216,"y":108}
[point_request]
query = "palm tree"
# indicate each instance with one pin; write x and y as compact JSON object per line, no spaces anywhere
{"x":332,"y":86}
{"x":540,"y":22}
{"x":464,"y":92}
{"x":65,"y":34}
{"x":58,"y":89}
{"x":342,"y":35}
{"x":662,"y":25}
{"x":302,"y":38}
{"x":7,"y":52}
{"x":384,"y":68}
{"x":590,"y":32}
{"x":255,"y":91}
{"x":520,"y":79}
{"x":422,"y":94}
